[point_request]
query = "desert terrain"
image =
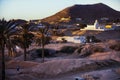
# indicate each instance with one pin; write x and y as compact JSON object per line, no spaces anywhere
{"x":90,"y":61}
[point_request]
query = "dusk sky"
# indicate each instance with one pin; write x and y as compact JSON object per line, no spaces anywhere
{"x":38,"y":9}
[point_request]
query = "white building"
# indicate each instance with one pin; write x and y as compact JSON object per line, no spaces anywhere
{"x":99,"y":27}
{"x":74,"y":39}
{"x":79,"y":39}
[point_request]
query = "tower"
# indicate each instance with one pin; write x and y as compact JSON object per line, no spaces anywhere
{"x":96,"y":24}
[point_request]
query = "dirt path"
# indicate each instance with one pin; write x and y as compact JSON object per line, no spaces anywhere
{"x":106,"y":74}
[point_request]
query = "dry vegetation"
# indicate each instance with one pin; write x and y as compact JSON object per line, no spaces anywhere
{"x":115,"y":45}
{"x":88,"y":49}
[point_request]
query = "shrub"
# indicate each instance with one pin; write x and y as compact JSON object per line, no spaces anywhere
{"x":97,"y":49}
{"x":115,"y":46}
{"x":64,"y":40}
{"x":92,"y":39}
{"x":85,"y":53}
{"x":68,"y":49}
{"x":37,"y":53}
{"x":90,"y":49}
{"x":78,"y":50}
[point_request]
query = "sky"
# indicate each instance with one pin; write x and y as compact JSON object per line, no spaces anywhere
{"x":38,"y":9}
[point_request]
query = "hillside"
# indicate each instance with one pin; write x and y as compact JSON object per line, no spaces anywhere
{"x":102,"y":35}
{"x":88,"y":13}
{"x":102,"y":63}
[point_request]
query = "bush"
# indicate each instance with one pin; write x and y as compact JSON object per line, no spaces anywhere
{"x":78,"y":50}
{"x":115,"y":46}
{"x":89,"y":49}
{"x":37,"y":53}
{"x":68,"y":49}
{"x":85,"y":53}
{"x":90,"y":39}
{"x":97,"y":49}
{"x":46,"y":52}
{"x":64,"y":40}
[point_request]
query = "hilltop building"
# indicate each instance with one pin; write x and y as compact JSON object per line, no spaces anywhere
{"x":100,"y":27}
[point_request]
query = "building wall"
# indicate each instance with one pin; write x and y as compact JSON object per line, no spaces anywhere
{"x":74,"y":39}
{"x":100,"y":27}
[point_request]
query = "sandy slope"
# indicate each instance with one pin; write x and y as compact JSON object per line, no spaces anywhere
{"x":67,"y":68}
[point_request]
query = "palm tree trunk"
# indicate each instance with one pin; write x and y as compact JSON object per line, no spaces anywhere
{"x":10,"y":52}
{"x":25,"y":53}
{"x":42,"y":48}
{"x":9,"y":47}
{"x":3,"y":61}
{"x":42,"y":53}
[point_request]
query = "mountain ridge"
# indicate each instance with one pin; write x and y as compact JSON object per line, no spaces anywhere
{"x":88,"y":13}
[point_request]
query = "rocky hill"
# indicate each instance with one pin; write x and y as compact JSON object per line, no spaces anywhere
{"x":88,"y":13}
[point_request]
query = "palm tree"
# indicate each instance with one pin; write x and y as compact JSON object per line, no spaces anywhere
{"x":25,"y":37}
{"x":10,"y":47}
{"x":7,"y":29}
{"x":55,"y":29}
{"x":43,"y":29}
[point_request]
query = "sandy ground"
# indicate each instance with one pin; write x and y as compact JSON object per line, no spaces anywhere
{"x":102,"y":74}
{"x":65,"y":67}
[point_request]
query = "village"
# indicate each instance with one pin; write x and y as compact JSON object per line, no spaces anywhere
{"x":77,"y":42}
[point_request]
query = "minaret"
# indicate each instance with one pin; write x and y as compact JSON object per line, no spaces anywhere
{"x":96,"y":24}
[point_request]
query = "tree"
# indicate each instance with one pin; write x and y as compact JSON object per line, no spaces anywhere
{"x":7,"y":29}
{"x":43,"y":29}
{"x":81,"y":26}
{"x":24,"y":38}
{"x":10,"y":46}
{"x":55,"y":31}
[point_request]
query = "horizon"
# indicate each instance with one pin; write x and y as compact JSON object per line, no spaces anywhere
{"x":36,"y":9}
